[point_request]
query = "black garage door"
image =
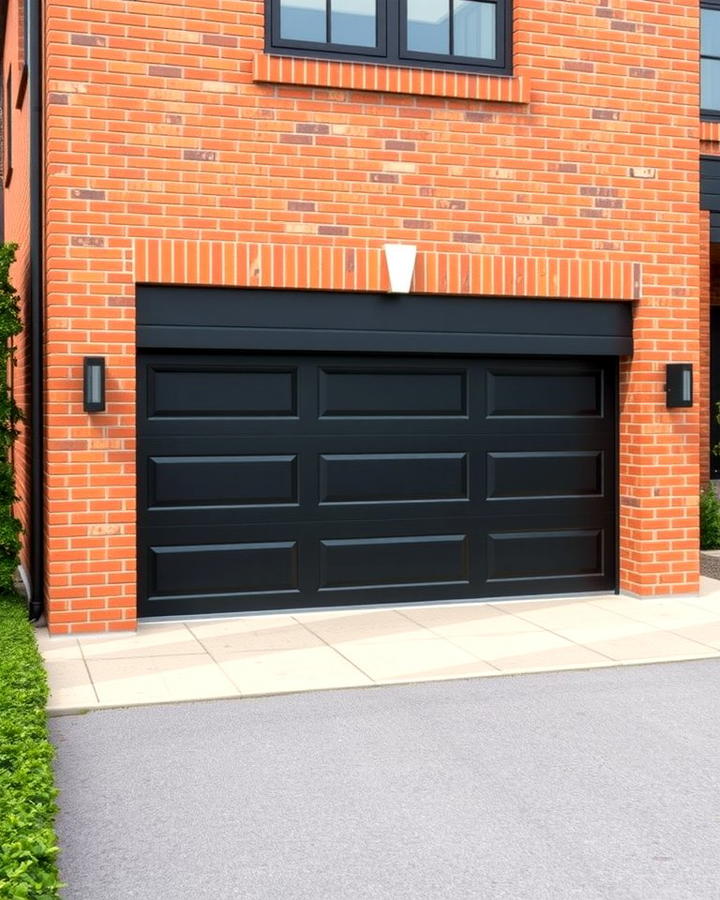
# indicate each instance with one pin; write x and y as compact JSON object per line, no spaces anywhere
{"x":271,"y":481}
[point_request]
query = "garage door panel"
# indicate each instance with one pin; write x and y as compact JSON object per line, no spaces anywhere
{"x":533,"y":390}
{"x":210,"y":481}
{"x":545,"y":474}
{"x":545,"y":553}
{"x":394,"y":561}
{"x":383,"y":392}
{"x":237,"y":568}
{"x":205,"y":391}
{"x":393,"y":477}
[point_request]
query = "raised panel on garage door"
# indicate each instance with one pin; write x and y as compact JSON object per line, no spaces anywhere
{"x":286,"y":481}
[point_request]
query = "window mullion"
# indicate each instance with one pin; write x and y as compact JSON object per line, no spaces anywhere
{"x":393,"y":27}
{"x":328,"y":20}
{"x":451,"y":20}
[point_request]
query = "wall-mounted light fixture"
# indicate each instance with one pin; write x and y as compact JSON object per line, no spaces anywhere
{"x":400,"y":259}
{"x":678,"y":385}
{"x":94,"y":383}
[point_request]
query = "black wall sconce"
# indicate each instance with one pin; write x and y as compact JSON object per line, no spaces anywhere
{"x":678,"y":385}
{"x":94,"y":384}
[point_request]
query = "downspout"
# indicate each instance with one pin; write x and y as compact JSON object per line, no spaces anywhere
{"x":34,"y":25}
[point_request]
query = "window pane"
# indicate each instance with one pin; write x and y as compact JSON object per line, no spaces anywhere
{"x":474,"y":29}
{"x":428,"y":26}
{"x":303,"y":20}
{"x":354,"y":22}
{"x":710,"y":84}
{"x":710,"y":32}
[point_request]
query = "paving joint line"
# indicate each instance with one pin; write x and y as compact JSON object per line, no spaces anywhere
{"x":87,"y":669}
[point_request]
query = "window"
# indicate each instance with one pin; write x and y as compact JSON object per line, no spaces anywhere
{"x":449,"y":34}
{"x":710,"y":60}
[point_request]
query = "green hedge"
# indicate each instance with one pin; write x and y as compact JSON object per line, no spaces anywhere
{"x":28,"y":845}
{"x":709,"y":519}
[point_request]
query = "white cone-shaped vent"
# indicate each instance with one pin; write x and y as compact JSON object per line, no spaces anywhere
{"x":400,"y":259}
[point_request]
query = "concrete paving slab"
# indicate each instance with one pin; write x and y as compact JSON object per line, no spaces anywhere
{"x":326,"y":649}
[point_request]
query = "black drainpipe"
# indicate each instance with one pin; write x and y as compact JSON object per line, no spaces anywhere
{"x":34,"y":25}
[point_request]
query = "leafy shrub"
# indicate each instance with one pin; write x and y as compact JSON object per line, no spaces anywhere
{"x":709,"y":519}
{"x":28,"y":846}
{"x":10,"y":415}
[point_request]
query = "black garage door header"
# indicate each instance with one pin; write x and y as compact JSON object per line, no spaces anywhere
{"x":243,"y":319}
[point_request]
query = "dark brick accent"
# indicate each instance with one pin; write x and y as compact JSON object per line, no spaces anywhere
{"x":87,"y":194}
{"x":400,"y":145}
{"x":336,"y":230}
{"x":642,"y":73}
{"x":312,"y":128}
{"x":588,"y":191}
{"x":451,"y":204}
{"x":383,"y":178}
{"x":219,"y":40}
{"x":571,"y":65}
{"x":610,"y":114}
{"x":200,"y":155}
{"x":88,"y":40}
{"x":637,"y":281}
{"x":86,"y":241}
{"x":301,"y":206}
{"x":165,"y":71}
{"x":479,"y":117}
{"x":467,"y":237}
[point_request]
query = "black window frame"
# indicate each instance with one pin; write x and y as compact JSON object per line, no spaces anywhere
{"x":390,"y":50}
{"x":710,"y":114}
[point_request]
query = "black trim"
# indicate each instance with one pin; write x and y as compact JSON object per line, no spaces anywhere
{"x":709,"y":114}
{"x":391,"y":40}
{"x":37,"y":303}
{"x":232,"y":319}
{"x":715,"y":227}
{"x":710,"y":192}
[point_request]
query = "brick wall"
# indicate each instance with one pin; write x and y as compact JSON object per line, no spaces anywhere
{"x":176,"y":150}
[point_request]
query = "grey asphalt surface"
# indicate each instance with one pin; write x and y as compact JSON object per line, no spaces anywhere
{"x":594,"y":784}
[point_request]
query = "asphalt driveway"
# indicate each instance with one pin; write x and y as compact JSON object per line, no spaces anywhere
{"x":596,"y":784}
